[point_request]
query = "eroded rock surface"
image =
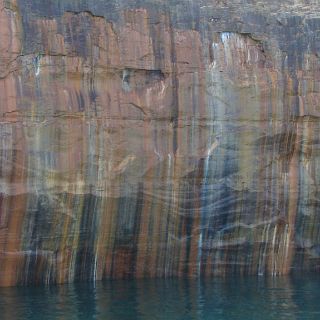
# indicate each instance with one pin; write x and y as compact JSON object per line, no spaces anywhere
{"x":158,"y":138}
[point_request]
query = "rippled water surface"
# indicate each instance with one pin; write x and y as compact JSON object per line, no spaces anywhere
{"x":246,"y":298}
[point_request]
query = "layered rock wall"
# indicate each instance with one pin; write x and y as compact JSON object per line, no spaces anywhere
{"x":158,"y":138}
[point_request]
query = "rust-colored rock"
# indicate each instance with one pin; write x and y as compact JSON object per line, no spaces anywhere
{"x":158,"y":139}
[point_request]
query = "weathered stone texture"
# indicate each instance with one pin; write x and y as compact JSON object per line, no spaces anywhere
{"x":158,"y":138}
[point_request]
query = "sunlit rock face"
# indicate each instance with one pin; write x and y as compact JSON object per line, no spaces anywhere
{"x":158,"y":138}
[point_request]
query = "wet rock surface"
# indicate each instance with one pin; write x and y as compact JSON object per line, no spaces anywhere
{"x":158,"y":138}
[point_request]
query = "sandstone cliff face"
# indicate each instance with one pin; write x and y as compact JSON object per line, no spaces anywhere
{"x":158,"y":138}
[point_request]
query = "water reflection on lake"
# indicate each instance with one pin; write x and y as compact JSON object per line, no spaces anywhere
{"x":232,"y":298}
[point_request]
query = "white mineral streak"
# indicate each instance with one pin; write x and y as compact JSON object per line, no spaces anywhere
{"x":274,"y":258}
{"x":37,"y":65}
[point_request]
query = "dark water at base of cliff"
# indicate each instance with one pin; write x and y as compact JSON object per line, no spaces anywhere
{"x":232,"y":298}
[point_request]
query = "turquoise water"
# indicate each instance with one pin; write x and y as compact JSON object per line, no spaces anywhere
{"x":247,"y":298}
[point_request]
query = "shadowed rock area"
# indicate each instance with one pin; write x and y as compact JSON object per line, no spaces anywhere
{"x":154,"y":138}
